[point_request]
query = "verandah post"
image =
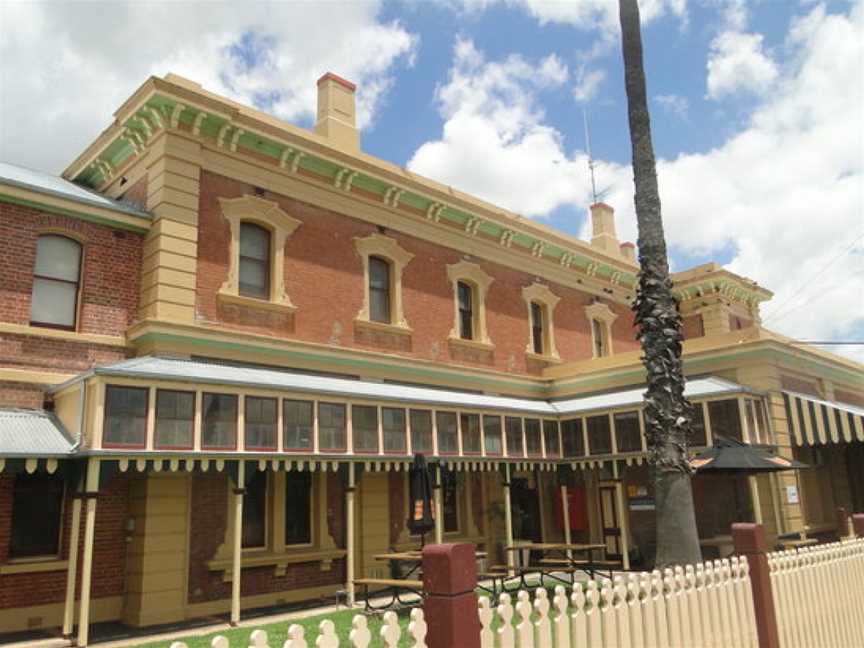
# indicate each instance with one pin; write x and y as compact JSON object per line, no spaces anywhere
{"x":508,"y":522}
{"x":436,"y":496}
{"x":72,"y":565}
{"x":91,"y":492}
{"x":239,"y":491}
{"x":450,"y":602}
{"x":750,"y":542}
{"x":349,"y":537}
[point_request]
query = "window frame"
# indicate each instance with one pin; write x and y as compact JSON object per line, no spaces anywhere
{"x":277,"y":405}
{"x":432,"y":430}
{"x":501,"y":434}
{"x":600,"y":320}
{"x":312,"y":497}
{"x":60,"y":522}
{"x":377,"y":432}
{"x":128,"y":446}
{"x":389,"y":250}
{"x":385,"y":292}
{"x":465,"y":416}
{"x":156,"y":444}
{"x":405,"y":427}
{"x":237,"y":431}
{"x":474,"y":276}
{"x":78,"y":283}
{"x":539,"y":296}
{"x":268,"y":487}
{"x":313,"y":406}
{"x":267,"y":263}
{"x":467,"y":327}
{"x":521,"y":420}
{"x":317,"y":441}
{"x":437,"y":429}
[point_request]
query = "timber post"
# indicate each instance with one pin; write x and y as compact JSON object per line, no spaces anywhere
{"x":349,"y":536}
{"x":91,"y":492}
{"x":858,"y":524}
{"x":450,"y":602}
{"x":750,"y":542}
{"x":72,"y":564}
{"x":237,"y":548}
{"x":508,"y":523}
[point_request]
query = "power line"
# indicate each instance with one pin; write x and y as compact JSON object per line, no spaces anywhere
{"x":809,"y":284}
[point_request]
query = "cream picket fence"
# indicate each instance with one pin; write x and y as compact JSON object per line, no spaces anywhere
{"x":708,"y":605}
{"x":819,"y":594}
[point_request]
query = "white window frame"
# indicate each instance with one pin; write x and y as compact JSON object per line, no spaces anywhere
{"x":388,"y":249}
{"x":474,"y":276}
{"x":542,"y":295}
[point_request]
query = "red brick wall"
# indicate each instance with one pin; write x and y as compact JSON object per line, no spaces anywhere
{"x":109,"y":552}
{"x":208,"y":523}
{"x":324,"y":279}
{"x":14,"y":394}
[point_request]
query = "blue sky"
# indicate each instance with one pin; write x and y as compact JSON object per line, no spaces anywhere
{"x":756,"y":110}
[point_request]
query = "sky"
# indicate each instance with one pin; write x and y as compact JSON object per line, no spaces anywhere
{"x":757,"y":111}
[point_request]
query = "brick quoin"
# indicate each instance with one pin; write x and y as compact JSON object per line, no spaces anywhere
{"x":324,"y":279}
{"x":109,"y":549}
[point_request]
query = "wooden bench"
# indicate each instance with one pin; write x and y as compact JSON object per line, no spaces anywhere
{"x":396,"y":588}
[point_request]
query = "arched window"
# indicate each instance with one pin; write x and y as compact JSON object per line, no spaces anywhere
{"x":254,"y":261}
{"x":379,"y":290}
{"x":56,"y":280}
{"x":466,"y":310}
{"x":537,"y":327}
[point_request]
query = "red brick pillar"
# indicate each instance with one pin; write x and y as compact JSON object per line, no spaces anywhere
{"x":450,"y":604}
{"x":750,"y":542}
{"x":858,"y":524}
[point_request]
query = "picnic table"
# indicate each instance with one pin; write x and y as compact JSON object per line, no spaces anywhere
{"x":557,"y":558}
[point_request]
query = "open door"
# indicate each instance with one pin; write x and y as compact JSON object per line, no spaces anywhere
{"x":610,"y":519}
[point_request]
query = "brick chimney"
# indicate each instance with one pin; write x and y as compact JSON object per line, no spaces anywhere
{"x":628,"y":251}
{"x":337,"y":112}
{"x":603,"y":233}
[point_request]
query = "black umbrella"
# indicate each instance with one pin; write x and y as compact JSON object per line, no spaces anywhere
{"x":421,"y":516}
{"x":733,"y":456}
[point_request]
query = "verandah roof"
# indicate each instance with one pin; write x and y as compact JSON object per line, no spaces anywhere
{"x":815,"y":421}
{"x":33,"y":433}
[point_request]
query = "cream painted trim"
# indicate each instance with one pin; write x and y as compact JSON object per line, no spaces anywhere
{"x":36,"y":377}
{"x":548,"y":300}
{"x":251,"y":302}
{"x":600,"y":312}
{"x":388,"y":248}
{"x":280,"y":224}
{"x":33,"y":566}
{"x":58,"y":334}
{"x":472,"y":274}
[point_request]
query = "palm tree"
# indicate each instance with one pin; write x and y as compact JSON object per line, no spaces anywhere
{"x":668,"y":414}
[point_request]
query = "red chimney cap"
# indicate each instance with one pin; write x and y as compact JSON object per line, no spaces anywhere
{"x":628,"y":244}
{"x":602,"y":204}
{"x":337,"y":79}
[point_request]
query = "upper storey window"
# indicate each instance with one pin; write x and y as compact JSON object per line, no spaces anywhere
{"x":56,"y":279}
{"x":470,"y":285}
{"x":254,"y":261}
{"x":379,"y":290}
{"x":600,"y":317}
{"x":541,"y":303}
{"x":383,"y":262}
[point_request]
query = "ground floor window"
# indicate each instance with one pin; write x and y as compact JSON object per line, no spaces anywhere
{"x":298,"y":508}
{"x":255,"y":512}
{"x":37,"y":508}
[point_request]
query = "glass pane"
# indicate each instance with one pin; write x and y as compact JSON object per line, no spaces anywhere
{"x":762,"y":424}
{"x":53,"y":302}
{"x":724,"y":418}
{"x":58,"y":257}
{"x":421,"y":431}
{"x":450,"y":501}
{"x":379,"y":273}
{"x":393,"y":424}
{"x":254,"y":242}
{"x":627,"y":433}
{"x":379,"y":290}
{"x":550,"y":438}
{"x":331,"y":427}
{"x":37,"y":504}
{"x":573,"y":439}
{"x":297,"y":424}
{"x":513,"y":428}
{"x":751,"y":421}
{"x":298,"y":508}
{"x":175,"y":418}
{"x":470,"y":433}
{"x":255,"y":511}
{"x":492,"y":434}
{"x":254,"y":278}
{"x":219,"y":421}
{"x":599,"y":435}
{"x":448,"y":441}
{"x":260,"y":422}
{"x":364,"y":425}
{"x":537,"y":327}
{"x":700,"y":436}
{"x":125,"y":416}
{"x":532,"y":437}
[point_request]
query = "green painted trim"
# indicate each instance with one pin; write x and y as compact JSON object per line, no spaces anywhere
{"x":350,"y":364}
{"x":73,"y":214}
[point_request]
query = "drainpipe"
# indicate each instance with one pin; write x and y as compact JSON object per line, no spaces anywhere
{"x":82,"y":404}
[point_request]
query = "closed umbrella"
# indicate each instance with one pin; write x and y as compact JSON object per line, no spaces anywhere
{"x":421,"y":515}
{"x":733,"y":456}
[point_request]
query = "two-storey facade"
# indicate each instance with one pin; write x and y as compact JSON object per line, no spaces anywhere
{"x":220,"y":357}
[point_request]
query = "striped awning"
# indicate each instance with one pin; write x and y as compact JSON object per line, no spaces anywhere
{"x":813,"y":421}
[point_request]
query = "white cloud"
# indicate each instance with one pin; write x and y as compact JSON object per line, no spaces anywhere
{"x":495,"y":142}
{"x":738,"y":62}
{"x":674,"y":104}
{"x":587,"y":84}
{"x":64,"y":66}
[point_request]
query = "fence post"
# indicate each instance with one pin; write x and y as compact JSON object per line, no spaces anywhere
{"x":450,"y":603}
{"x":842,"y":518}
{"x":858,"y":524}
{"x":750,"y":542}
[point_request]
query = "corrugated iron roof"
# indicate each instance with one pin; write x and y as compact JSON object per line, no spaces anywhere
{"x":32,"y":433}
{"x":45,"y":183}
{"x":214,"y":373}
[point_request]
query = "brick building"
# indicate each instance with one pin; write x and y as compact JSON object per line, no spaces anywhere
{"x":225,"y":337}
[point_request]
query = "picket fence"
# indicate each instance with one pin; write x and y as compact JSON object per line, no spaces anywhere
{"x":818,"y":593}
{"x":709,"y":604}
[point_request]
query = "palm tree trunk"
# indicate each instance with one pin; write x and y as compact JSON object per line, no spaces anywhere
{"x":667,"y":413}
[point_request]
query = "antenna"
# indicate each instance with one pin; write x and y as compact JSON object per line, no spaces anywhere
{"x":590,"y":159}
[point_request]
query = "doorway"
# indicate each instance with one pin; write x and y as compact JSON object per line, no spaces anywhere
{"x":611,"y":522}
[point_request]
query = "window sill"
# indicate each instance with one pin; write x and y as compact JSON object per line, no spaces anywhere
{"x":539,"y":357}
{"x":396,"y":329}
{"x":471,"y":344}
{"x":279,"y":561}
{"x":27,"y":566}
{"x":252,"y":302}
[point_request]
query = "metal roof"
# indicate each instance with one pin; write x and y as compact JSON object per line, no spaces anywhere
{"x":149,"y":367}
{"x":45,"y":183}
{"x":694,"y":388}
{"x":33,"y":433}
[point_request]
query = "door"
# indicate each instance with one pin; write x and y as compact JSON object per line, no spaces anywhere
{"x":610,"y":519}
